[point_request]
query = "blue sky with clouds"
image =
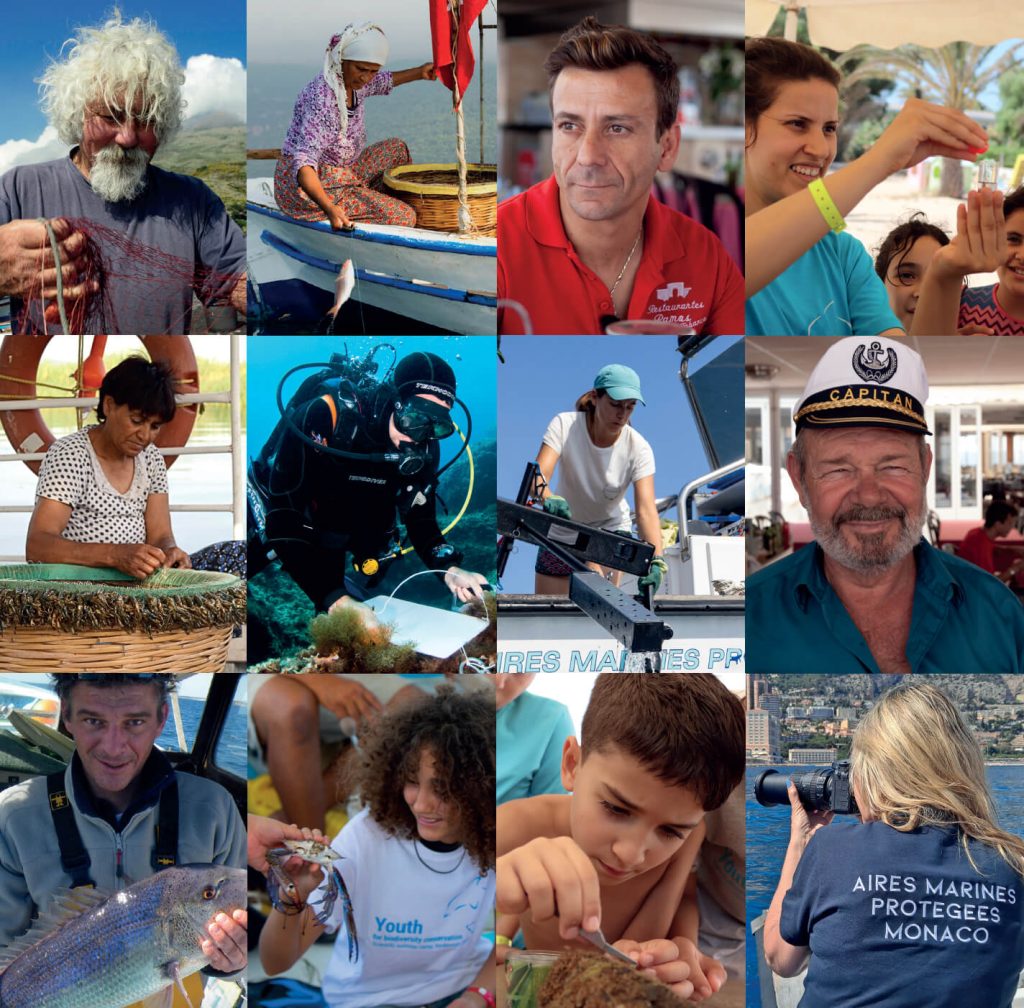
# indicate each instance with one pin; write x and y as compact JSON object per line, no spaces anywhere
{"x":33,"y":33}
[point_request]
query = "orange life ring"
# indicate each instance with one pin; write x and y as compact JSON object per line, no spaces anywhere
{"x":26,"y":429}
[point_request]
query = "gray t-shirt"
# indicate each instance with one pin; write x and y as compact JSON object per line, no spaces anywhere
{"x":175,"y":215}
{"x":71,"y":473}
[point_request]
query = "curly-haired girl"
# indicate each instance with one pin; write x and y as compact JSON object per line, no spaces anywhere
{"x":418,"y":863}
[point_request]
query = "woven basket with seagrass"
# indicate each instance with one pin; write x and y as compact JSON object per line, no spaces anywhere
{"x":62,"y":618}
{"x":432,"y":190}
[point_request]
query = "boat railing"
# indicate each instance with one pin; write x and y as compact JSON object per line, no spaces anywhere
{"x":685,"y":495}
{"x":234,"y":447}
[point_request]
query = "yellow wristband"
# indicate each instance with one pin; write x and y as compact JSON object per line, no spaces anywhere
{"x":502,"y":940}
{"x":833,"y":218}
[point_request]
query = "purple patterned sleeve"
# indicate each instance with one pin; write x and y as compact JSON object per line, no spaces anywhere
{"x":380,"y":84}
{"x":314,"y":126}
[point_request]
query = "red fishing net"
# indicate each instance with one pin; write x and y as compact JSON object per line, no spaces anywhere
{"x":128,"y":275}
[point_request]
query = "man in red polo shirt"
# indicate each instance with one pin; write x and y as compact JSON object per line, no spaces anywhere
{"x":979,"y":545}
{"x":589,"y":245}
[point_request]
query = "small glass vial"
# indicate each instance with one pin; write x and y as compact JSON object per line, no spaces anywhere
{"x":987,"y":174}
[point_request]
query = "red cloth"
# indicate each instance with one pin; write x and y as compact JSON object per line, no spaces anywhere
{"x":685,"y":275}
{"x":441,"y":35}
{"x":979,"y":549}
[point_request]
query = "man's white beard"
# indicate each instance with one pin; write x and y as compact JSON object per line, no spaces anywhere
{"x":118,"y":175}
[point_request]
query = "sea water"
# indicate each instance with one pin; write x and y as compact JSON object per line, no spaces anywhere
{"x":473,"y":360}
{"x":230,"y":753}
{"x":768,"y":836}
{"x":419,"y":113}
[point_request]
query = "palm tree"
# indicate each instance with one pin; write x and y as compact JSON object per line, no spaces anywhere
{"x":954,"y":75}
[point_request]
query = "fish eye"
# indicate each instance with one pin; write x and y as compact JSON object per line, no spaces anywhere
{"x":209,"y":892}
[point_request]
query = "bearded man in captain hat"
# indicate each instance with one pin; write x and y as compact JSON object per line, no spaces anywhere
{"x":870,"y":595}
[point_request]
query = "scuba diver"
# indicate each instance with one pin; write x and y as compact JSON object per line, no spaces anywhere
{"x":349,"y":454}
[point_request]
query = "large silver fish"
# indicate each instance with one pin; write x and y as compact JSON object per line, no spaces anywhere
{"x":97,"y":950}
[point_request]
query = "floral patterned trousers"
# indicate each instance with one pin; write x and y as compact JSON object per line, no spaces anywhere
{"x":355,"y":187}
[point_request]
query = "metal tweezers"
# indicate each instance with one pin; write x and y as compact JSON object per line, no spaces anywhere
{"x":598,"y":939}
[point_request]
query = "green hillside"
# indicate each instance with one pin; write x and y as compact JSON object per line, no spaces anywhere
{"x":215,"y":155}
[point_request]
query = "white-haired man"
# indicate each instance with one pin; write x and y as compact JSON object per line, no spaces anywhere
{"x":149,"y":238}
{"x":871,"y":595}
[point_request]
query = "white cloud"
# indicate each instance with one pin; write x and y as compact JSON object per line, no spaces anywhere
{"x":214,"y":84}
{"x":45,"y":148}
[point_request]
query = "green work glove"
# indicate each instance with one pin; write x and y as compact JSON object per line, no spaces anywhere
{"x":557,"y":506}
{"x":653,"y":577}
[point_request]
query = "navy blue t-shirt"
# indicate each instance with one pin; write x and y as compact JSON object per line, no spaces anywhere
{"x":901,"y":920}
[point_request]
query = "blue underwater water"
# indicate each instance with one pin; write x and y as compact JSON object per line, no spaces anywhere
{"x":278,"y":612}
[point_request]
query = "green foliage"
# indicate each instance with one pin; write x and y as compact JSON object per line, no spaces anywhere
{"x":214,"y":376}
{"x":217,"y":156}
{"x":1008,"y":130}
{"x":865,"y":135}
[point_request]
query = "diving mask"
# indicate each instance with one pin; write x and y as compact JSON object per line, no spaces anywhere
{"x":422,"y":419}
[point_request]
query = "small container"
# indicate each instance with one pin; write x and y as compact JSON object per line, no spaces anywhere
{"x":525,"y":973}
{"x":988,"y":174}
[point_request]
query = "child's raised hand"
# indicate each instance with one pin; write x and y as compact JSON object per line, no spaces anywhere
{"x":979,"y":245}
{"x":550,"y":877}
{"x":661,"y":959}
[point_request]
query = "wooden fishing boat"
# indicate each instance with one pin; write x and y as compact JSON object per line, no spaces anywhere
{"x":445,"y":279}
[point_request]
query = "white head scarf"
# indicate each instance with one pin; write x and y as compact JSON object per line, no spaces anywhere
{"x":365,"y":43}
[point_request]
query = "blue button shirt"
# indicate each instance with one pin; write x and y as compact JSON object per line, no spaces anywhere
{"x":963,"y":619}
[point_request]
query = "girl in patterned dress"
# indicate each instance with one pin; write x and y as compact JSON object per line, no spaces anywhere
{"x":326,"y":171}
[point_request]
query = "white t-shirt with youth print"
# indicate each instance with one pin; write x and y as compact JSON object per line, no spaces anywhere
{"x":421,"y":917}
{"x":72,"y":474}
{"x":594,"y":480}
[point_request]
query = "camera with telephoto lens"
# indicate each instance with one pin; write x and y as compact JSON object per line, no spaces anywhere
{"x":821,"y":789}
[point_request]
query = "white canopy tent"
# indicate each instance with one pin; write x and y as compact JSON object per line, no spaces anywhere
{"x":842,"y":24}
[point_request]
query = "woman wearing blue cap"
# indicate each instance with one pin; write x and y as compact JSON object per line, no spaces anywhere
{"x":599,"y":456}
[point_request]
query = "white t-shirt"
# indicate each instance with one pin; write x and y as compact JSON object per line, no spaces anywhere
{"x":421,"y":932}
{"x":71,"y":473}
{"x":594,"y":480}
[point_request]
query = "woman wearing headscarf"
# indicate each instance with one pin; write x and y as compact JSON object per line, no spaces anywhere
{"x":326,"y":171}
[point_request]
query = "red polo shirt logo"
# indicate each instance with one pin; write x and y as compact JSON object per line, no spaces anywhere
{"x":670,"y":304}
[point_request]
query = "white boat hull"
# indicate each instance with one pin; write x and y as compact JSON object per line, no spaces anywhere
{"x":546,"y":634}
{"x":445,"y":280}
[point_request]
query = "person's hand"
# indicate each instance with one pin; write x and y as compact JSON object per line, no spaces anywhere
{"x":557,"y":506}
{"x":551,"y":877}
{"x":427,"y":72}
{"x":344,"y":698}
{"x":922,"y":130}
{"x":339,"y":220}
{"x":27,"y":266}
{"x":465,"y":585}
{"x":264,"y":833}
{"x":661,"y":959}
{"x":972,"y":329}
{"x":803,"y":824}
{"x":137,"y":559}
{"x":226,"y":948}
{"x":175,"y":557}
{"x":979,"y":245}
{"x":706,"y":974}
{"x":653,"y":577}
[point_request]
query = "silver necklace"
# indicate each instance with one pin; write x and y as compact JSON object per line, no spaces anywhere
{"x":629,"y":259}
{"x":436,"y":871}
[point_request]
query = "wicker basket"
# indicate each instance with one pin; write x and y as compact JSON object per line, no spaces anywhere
{"x":59,"y":618}
{"x":432,"y":190}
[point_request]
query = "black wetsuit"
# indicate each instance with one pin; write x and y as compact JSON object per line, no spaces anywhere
{"x":322,"y":509}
